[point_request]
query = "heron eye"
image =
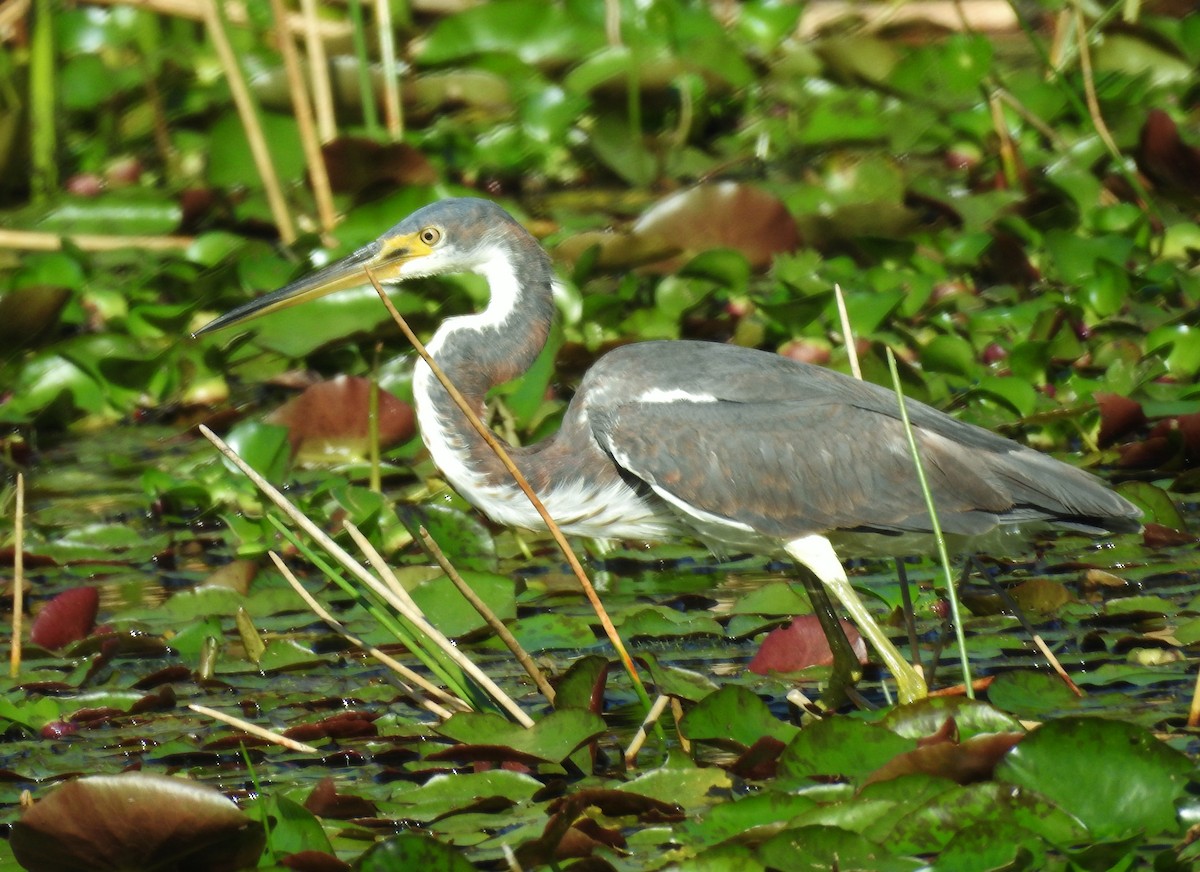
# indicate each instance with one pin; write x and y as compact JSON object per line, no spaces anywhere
{"x":431,"y":235}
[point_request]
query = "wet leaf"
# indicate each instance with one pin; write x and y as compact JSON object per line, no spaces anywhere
{"x":582,"y":687}
{"x":739,"y":819}
{"x":676,"y":681}
{"x":1116,"y":778}
{"x":659,"y":621}
{"x":293,"y":827}
{"x":262,"y":446}
{"x":444,"y":794}
{"x":1041,"y":596}
{"x":553,"y":631}
{"x":684,"y":786}
{"x":992,"y":845}
{"x":927,"y":717}
{"x":1028,"y":694}
{"x":329,"y":421}
{"x":251,"y":641}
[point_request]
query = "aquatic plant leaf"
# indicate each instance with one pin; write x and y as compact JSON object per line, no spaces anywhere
{"x":801,"y":644}
{"x":448,"y":610}
{"x":135,"y":821}
{"x":734,"y":714}
{"x":818,"y":848}
{"x":552,"y":738}
{"x":1118,"y":779}
{"x":67,"y":618}
{"x":841,"y":747}
{"x":1028,"y":694}
{"x":328,"y":422}
{"x":412,"y":851}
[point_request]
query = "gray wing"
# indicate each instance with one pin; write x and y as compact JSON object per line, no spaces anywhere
{"x":790,"y":449}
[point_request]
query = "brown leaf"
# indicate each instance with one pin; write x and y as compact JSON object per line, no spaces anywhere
{"x":1041,"y":595}
{"x":968,"y":762}
{"x":1149,"y":453}
{"x":1183,"y":430}
{"x":162,"y":676}
{"x":561,"y":837}
{"x":151,"y":823}
{"x":1165,"y":158}
{"x":486,"y":754}
{"x":1118,"y":416}
{"x":759,"y":760}
{"x":346,"y":725}
{"x":326,"y":802}
{"x":314,"y":861}
{"x":160,"y":700}
{"x":720,"y":215}
{"x":616,"y":803}
{"x":236,"y":575}
{"x":29,"y":313}
{"x":67,"y":618}
{"x":1158,"y":536}
{"x":331,"y":418}
{"x":801,"y":644}
{"x":355,"y":164}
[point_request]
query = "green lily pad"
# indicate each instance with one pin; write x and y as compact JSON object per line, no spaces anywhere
{"x":412,"y":851}
{"x":552,"y":738}
{"x":734,"y":714}
{"x":1116,"y":778}
{"x":820,"y":848}
{"x":444,"y":794}
{"x":448,"y":610}
{"x":841,"y":747}
{"x":1028,"y":694}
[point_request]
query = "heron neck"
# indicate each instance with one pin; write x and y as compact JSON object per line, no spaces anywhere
{"x":478,"y":352}
{"x":496,"y":345}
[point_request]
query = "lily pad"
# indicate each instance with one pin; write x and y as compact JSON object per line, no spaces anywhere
{"x":1118,"y":779}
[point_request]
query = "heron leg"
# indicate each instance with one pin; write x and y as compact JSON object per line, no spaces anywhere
{"x":846,"y":668}
{"x":816,"y":553}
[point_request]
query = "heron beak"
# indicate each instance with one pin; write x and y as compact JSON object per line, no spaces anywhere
{"x":384,"y":258}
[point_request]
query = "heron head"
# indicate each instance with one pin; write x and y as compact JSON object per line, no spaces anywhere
{"x":449,"y":236}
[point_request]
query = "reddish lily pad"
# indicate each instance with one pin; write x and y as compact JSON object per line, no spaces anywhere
{"x":802,"y":644}
{"x":67,"y":618}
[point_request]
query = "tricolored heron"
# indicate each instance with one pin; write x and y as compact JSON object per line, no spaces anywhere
{"x":740,"y":448}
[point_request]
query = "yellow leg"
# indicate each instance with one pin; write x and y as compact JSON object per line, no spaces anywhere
{"x":816,"y":553}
